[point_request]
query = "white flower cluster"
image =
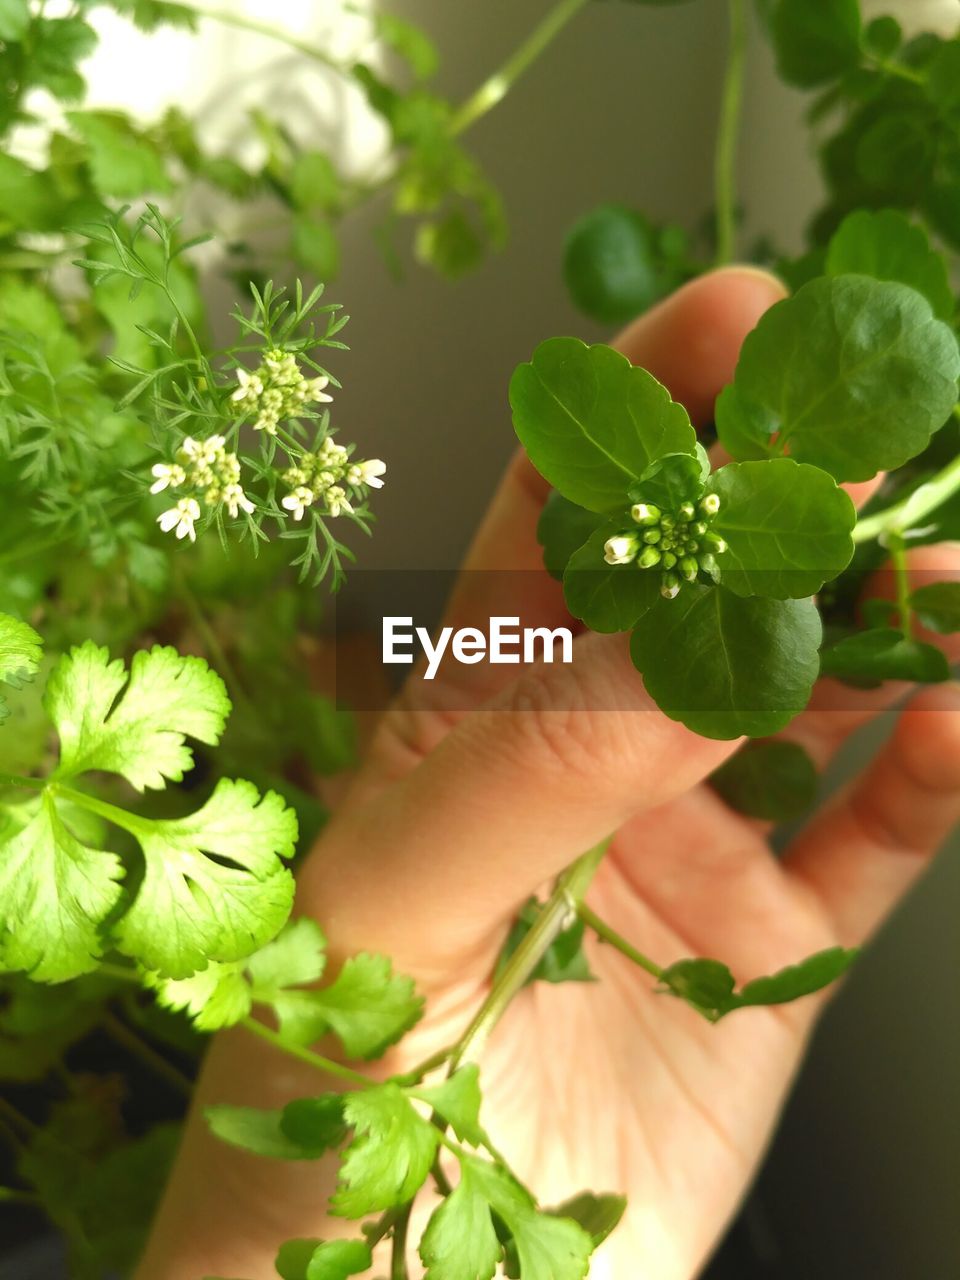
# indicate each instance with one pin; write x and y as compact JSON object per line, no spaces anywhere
{"x":321,"y":476}
{"x":210,"y":472}
{"x":680,"y":545}
{"x":277,"y":390}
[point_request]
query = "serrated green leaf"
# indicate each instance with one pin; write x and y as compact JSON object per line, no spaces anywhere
{"x":189,"y":908}
{"x":608,"y":597}
{"x":388,"y":1160}
{"x":258,"y":1131}
{"x":851,"y":374}
{"x":937,"y":605}
{"x":368,"y":1007}
{"x":316,"y":1124}
{"x":775,"y":781}
{"x":133,"y":725}
{"x":20,"y":652}
{"x":616,"y":264}
{"x":409,"y":42}
{"x":218,"y":996}
{"x":297,"y":955}
{"x":460,"y":1242}
{"x":787,"y":527}
{"x":672,"y":480}
{"x":709,"y":986}
{"x":888,"y":246}
{"x":457,"y":1100}
{"x":815,"y":42}
{"x":122,"y":163}
{"x":592,"y":423}
{"x":726,"y":666}
{"x":55,"y":894}
{"x":562,"y":529}
{"x":870,"y":657}
{"x":59,"y":45}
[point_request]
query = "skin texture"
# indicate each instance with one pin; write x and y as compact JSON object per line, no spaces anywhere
{"x":466,"y":806}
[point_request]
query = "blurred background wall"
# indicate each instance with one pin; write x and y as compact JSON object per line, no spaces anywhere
{"x":863,"y":1180}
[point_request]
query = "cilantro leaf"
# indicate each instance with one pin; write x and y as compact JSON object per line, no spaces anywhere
{"x":218,"y":996}
{"x":388,"y":1160}
{"x":457,"y":1099}
{"x":55,"y":892}
{"x":296,"y":955}
{"x":710,"y":988}
{"x":14,"y":19}
{"x":133,"y":725}
{"x":461,"y":1243}
{"x":123,"y":163}
{"x":368,"y":1007}
{"x":259,"y":1132}
{"x":189,"y":908}
{"x":20,"y":650}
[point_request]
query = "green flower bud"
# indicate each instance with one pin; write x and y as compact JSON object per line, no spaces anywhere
{"x":621,"y":549}
{"x":670,"y":587}
{"x":710,"y":504}
{"x":716,"y":542}
{"x":687,"y":511}
{"x":689,"y":568}
{"x":645,"y":513}
{"x":669,"y":559}
{"x":699,"y":528}
{"x":667,"y":522}
{"x":652,"y":535}
{"x":648,"y":558}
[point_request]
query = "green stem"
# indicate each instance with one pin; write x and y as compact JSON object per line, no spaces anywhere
{"x":912,"y":510}
{"x":728,"y":133}
{"x":312,"y":1059}
{"x":139,"y":1048}
{"x":608,"y":934}
{"x":896,"y":69}
{"x":242,"y":23}
{"x":15,"y":780}
{"x":496,"y":87}
{"x":398,"y":1257}
{"x":11,"y":1195}
{"x":898,"y":558}
{"x":211,"y":642}
{"x":121,"y":818}
{"x":565,"y":899}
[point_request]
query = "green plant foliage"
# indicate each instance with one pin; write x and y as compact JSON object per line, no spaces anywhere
{"x":772,"y":780}
{"x":887,"y":246}
{"x":563,"y":961}
{"x":710,"y":987}
{"x":938,"y":606}
{"x":815,"y":42}
{"x":870,"y":657}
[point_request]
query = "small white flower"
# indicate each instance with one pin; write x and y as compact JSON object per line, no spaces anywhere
{"x":336,"y":501}
{"x":710,"y":505}
{"x":367,"y":473}
{"x":235,"y":500}
{"x":212,"y":447}
{"x":183,"y":516}
{"x":170,"y":475}
{"x":190,"y":450}
{"x":620,"y":549}
{"x":249,"y":388}
{"x":298,"y":501}
{"x":315,"y":388}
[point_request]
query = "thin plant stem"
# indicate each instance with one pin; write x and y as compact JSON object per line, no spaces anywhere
{"x":15,"y":780}
{"x":398,"y":1257}
{"x":239,"y":21}
{"x":312,"y":1059}
{"x":128,"y":1039}
{"x":12,"y":1195}
{"x":563,"y":902}
{"x":608,"y":934}
{"x":914,"y":509}
{"x":898,"y":558}
{"x":728,"y":132}
{"x":211,"y":641}
{"x":496,"y":87}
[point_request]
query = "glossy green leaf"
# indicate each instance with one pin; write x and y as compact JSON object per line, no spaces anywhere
{"x":338,"y":1259}
{"x":870,"y":657}
{"x":563,"y":961}
{"x":726,"y":666}
{"x":616,"y":264}
{"x":315,"y":1124}
{"x":888,"y":246}
{"x":815,"y":41}
{"x":772,"y":780}
{"x":599,"y":1215}
{"x":787,"y":527}
{"x":709,"y":986}
{"x":670,"y":481}
{"x":562,"y":529}
{"x":851,"y":374}
{"x":938,"y":606}
{"x":457,"y":1100}
{"x":608,"y":597}
{"x":592,"y":423}
{"x":257,"y":1131}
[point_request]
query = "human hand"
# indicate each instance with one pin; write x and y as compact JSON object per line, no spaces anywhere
{"x":460,"y":811}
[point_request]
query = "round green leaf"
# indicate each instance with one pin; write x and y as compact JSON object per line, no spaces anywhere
{"x":938,"y":606}
{"x":592,"y":423}
{"x":562,"y":529}
{"x":870,"y":657}
{"x":608,"y":597}
{"x":725,"y":666}
{"x":851,"y":374}
{"x":815,"y":40}
{"x":775,"y":781}
{"x":887,"y":246}
{"x":615,"y":266}
{"x":787,"y":528}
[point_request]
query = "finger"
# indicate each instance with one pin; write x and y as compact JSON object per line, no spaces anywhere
{"x":690,"y":342}
{"x":862,"y":853}
{"x":511,"y":796}
{"x":838,"y":710}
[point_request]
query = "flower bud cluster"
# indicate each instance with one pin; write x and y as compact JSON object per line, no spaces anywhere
{"x":679,"y":544}
{"x":277,"y":390}
{"x":321,"y":477}
{"x":210,"y":473}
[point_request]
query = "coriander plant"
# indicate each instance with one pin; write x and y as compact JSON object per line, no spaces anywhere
{"x":170,"y":505}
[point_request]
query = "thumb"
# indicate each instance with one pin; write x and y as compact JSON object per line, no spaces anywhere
{"x":508,"y":798}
